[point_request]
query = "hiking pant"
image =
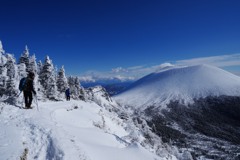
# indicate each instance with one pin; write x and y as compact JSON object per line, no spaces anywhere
{"x":28,"y":98}
{"x":68,"y":98}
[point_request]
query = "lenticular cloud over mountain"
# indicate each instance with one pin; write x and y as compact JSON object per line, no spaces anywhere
{"x":182,"y":84}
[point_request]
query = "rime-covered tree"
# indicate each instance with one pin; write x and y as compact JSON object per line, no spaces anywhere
{"x":3,"y":70}
{"x":11,"y":87}
{"x":80,"y":90}
{"x":8,"y":73}
{"x":75,"y":88}
{"x":1,"y":49}
{"x":11,"y":67}
{"x":47,"y":79}
{"x":22,"y":70}
{"x":3,"y":58}
{"x":11,"y":83}
{"x":39,"y":67}
{"x":46,"y":72}
{"x":33,"y":64}
{"x":77,"y":85}
{"x":71,"y":85}
{"x":51,"y":91}
{"x":3,"y":78}
{"x":62,"y":83}
{"x":25,"y":58}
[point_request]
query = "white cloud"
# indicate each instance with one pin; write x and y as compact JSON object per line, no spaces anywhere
{"x":136,"y":72}
{"x":119,"y":69}
{"x":87,"y":78}
{"x":218,"y":61}
{"x":122,"y":74}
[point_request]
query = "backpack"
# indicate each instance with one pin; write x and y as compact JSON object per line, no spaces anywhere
{"x":22,"y":84}
{"x":67,"y":92}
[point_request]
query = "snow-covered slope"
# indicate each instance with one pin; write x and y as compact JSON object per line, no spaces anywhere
{"x":180,"y":83}
{"x":72,"y":130}
{"x":99,"y":95}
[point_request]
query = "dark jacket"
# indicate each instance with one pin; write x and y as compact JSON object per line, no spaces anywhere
{"x":67,"y":92}
{"x":29,"y":85}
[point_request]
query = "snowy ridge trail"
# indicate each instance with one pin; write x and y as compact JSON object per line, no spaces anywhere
{"x":75,"y":130}
{"x":40,"y":142}
{"x":32,"y":138}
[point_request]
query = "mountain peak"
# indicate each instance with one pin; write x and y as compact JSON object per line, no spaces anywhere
{"x":182,"y":84}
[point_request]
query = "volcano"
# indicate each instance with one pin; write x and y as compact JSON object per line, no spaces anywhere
{"x":195,"y":107}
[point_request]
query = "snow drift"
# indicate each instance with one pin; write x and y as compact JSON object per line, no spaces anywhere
{"x":183,"y":84}
{"x":66,"y":130}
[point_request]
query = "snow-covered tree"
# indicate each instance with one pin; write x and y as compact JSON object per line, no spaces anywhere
{"x":51,"y":91}
{"x":33,"y":64}
{"x":25,"y":58}
{"x":3,"y":70}
{"x":1,"y":49}
{"x":46,"y":72}
{"x":71,"y":83}
{"x":8,"y":73}
{"x":11,"y":83}
{"x":47,"y":79}
{"x":80,"y":90}
{"x":22,"y":70}
{"x":77,"y":92}
{"x":3,"y":75}
{"x":39,"y":67}
{"x":48,"y":82}
{"x":11,"y":67}
{"x":3,"y":58}
{"x":72,"y":88}
{"x":11,"y":87}
{"x":62,"y":83}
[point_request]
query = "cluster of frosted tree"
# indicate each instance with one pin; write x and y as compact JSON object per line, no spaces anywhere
{"x":49,"y":83}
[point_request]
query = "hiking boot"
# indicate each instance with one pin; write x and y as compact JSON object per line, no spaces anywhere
{"x":29,"y":106}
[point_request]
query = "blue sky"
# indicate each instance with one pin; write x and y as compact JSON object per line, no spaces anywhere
{"x":97,"y":36}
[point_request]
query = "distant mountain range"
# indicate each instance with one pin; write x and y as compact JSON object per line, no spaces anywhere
{"x":112,"y":87}
{"x":196,"y":107}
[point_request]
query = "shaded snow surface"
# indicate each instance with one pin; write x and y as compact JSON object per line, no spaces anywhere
{"x":180,"y":84}
{"x":73,"y":130}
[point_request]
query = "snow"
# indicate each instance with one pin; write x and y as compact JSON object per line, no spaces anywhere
{"x":180,"y":83}
{"x":64,"y":130}
{"x":1,"y":48}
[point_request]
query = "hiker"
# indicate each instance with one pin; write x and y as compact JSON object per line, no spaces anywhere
{"x":67,"y":93}
{"x":28,"y":89}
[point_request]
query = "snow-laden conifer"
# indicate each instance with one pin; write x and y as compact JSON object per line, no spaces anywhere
{"x":39,"y":67}
{"x":71,"y":85}
{"x":11,"y":87}
{"x":33,"y":64}
{"x":73,"y":88}
{"x":1,"y":48}
{"x":79,"y":89}
{"x":51,"y":91}
{"x":25,"y":58}
{"x":48,"y":82}
{"x":11,"y":67}
{"x":47,"y":79}
{"x":22,"y":70}
{"x":3,"y":74}
{"x":62,"y":83}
